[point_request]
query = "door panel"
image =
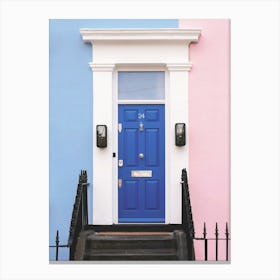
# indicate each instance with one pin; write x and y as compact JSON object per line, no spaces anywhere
{"x":142,"y":151}
{"x":152,"y":147}
{"x":131,"y":195}
{"x":152,"y":194}
{"x":131,"y":141}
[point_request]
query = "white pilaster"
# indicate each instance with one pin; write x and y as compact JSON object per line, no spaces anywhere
{"x":102,"y":157}
{"x":177,"y":100}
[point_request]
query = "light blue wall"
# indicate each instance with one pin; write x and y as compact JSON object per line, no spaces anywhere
{"x":71,"y":115}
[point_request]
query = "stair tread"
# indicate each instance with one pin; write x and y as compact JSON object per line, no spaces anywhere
{"x":130,"y":237}
{"x":130,"y":254}
{"x":130,"y":244}
{"x":154,"y":257}
{"x":124,"y":238}
{"x":132,"y":251}
{"x":127,"y":233}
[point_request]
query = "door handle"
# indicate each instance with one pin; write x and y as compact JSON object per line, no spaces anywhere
{"x":141,"y":155}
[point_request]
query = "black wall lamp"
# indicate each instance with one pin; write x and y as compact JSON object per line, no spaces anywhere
{"x":101,"y":136}
{"x":180,"y":134}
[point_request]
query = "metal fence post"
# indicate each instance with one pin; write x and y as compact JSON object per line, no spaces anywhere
{"x":56,"y":245}
{"x":227,"y":234}
{"x":216,"y":239}
{"x":216,"y":235}
{"x":205,"y":243}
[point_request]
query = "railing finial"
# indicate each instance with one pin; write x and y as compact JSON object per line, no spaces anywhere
{"x":216,"y":230}
{"x":57,"y":236}
{"x":204,"y":230}
{"x":227,"y":232}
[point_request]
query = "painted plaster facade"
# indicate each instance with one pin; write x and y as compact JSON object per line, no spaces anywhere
{"x":71,"y":122}
{"x":209,"y":131}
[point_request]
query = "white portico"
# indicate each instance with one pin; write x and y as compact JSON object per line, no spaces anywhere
{"x":115,"y":50}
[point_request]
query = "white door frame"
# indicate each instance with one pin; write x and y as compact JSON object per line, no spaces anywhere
{"x":146,"y":49}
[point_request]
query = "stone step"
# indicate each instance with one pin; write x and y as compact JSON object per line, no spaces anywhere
{"x":132,"y":251}
{"x":139,"y":256}
{"x":136,"y":241}
{"x":120,"y":245}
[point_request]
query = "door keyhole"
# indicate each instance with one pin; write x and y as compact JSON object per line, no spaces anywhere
{"x":141,"y":126}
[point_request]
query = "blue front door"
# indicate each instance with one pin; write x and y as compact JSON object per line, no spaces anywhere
{"x":141,"y":161}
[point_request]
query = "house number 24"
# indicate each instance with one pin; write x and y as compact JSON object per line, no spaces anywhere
{"x":141,"y":116}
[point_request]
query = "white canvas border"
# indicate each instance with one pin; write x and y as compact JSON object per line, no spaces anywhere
{"x":254,"y":138}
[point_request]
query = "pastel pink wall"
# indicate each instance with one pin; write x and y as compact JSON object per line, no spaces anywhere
{"x":209,"y":130}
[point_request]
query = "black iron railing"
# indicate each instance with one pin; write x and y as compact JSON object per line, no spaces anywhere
{"x":217,"y":240}
{"x":79,"y":217}
{"x":188,"y":225}
{"x":80,"y":220}
{"x":79,"y":214}
{"x":187,"y":219}
{"x":57,"y":246}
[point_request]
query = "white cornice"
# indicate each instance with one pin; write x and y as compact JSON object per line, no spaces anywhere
{"x":179,"y":66}
{"x":104,"y":67}
{"x":167,"y":34}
